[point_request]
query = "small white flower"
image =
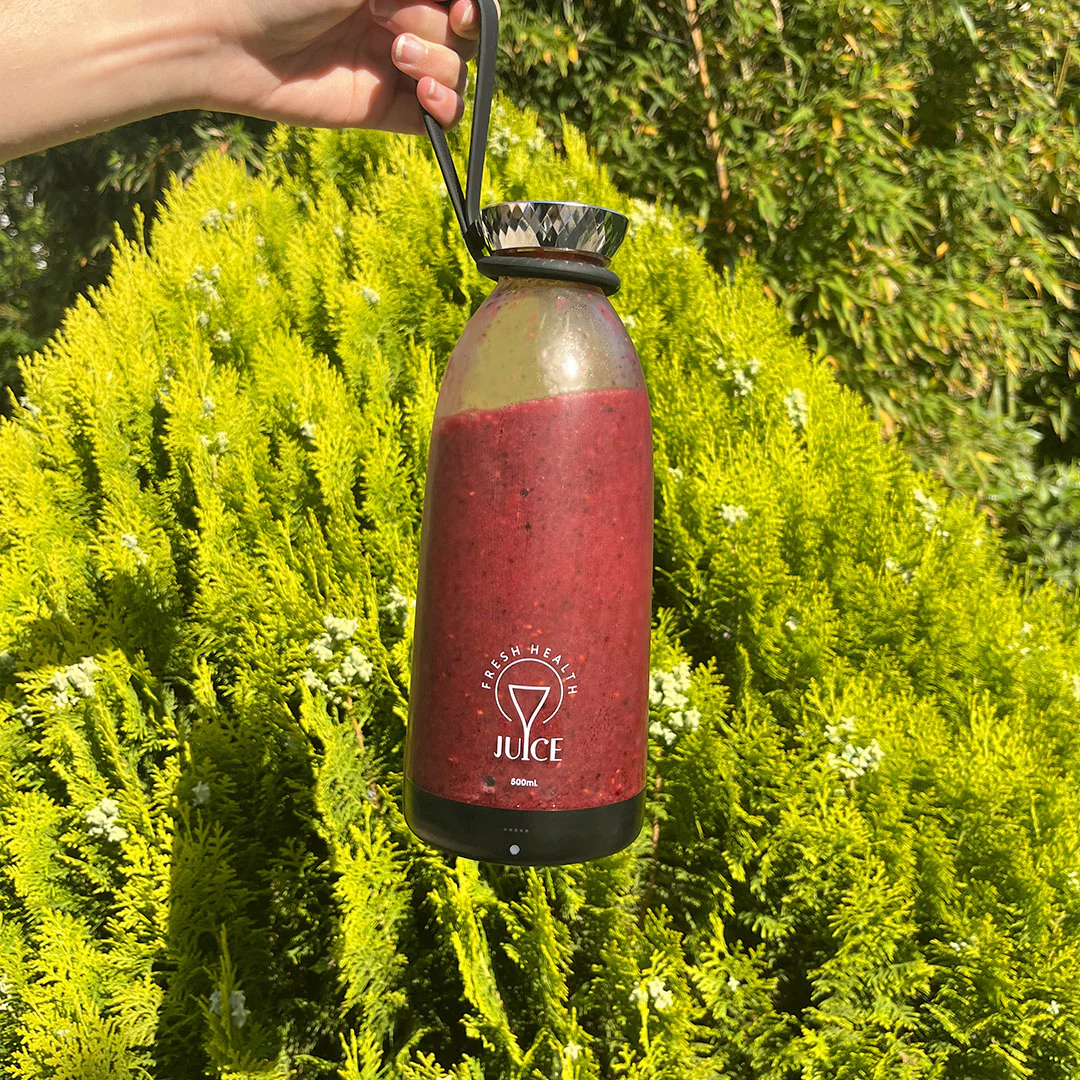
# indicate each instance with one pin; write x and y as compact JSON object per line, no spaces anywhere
{"x":215,"y":272}
{"x":339,"y":232}
{"x":732,"y":515}
{"x":208,"y":406}
{"x":733,"y":984}
{"x":131,"y":542}
{"x":839,"y":731}
{"x":1053,"y":1008}
{"x":203,"y":318}
{"x":638,"y":995}
{"x":370,"y":295}
{"x":958,"y":946}
{"x":212,"y":219}
{"x":853,"y":761}
{"x":798,"y":411}
{"x":77,"y":677}
{"x":357,"y":666}
{"x":223,"y":336}
{"x":655,"y":987}
{"x":320,"y":651}
{"x":743,"y":383}
{"x":572,"y":1051}
{"x":262,"y":280}
{"x":25,"y":715}
{"x":102,"y":820}
{"x":398,"y":605}
{"x":218,"y":444}
{"x":200,"y":793}
{"x":792,"y":624}
{"x":924,"y":500}
{"x":929,"y":510}
{"x":215,"y":1002}
{"x":720,"y":363}
{"x":675,"y":473}
{"x":313,"y":682}
{"x":307,"y":430}
{"x":664,"y":1000}
{"x":1074,"y":683}
{"x":260,"y":240}
{"x":1072,"y":877}
{"x":237,"y":1008}
{"x":894,"y":567}
{"x":29,"y":406}
{"x":629,"y":322}
{"x":340,"y":629}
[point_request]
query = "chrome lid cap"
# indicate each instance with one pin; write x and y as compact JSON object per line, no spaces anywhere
{"x":561,"y":226}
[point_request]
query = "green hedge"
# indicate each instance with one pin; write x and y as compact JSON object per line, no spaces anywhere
{"x":862,"y":863}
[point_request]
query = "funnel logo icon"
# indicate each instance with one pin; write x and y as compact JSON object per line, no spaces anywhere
{"x":529,"y":691}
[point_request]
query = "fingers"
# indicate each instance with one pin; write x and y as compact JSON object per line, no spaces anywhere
{"x":443,"y":104}
{"x":465,"y":18}
{"x":419,"y":59}
{"x":422,"y":19}
{"x":429,"y":48}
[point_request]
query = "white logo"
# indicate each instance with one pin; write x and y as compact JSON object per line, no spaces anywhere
{"x":529,"y":687}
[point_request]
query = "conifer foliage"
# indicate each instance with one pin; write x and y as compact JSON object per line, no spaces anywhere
{"x":861,"y":857}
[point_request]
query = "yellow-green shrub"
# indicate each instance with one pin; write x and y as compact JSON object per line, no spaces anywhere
{"x":862,"y":863}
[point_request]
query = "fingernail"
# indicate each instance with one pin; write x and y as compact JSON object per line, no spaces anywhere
{"x":407,"y":50}
{"x":437,"y":92}
{"x":383,"y":9}
{"x":468,"y":20}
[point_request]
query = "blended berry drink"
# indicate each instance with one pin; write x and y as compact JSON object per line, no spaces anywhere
{"x":534,"y":610}
{"x":528,"y":713}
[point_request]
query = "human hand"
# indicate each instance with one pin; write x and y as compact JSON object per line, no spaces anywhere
{"x":341,"y":63}
{"x":325,"y":63}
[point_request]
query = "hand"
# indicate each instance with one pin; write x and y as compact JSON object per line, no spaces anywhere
{"x":341,"y":63}
{"x":326,"y":63}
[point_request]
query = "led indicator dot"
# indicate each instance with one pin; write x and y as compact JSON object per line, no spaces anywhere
{"x":514,"y":849}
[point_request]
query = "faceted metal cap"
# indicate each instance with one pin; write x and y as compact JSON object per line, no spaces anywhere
{"x":564,"y":226}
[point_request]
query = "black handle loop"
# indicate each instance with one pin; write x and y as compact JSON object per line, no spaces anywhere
{"x":467,"y":204}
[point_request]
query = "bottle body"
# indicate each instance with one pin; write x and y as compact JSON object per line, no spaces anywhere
{"x":529,"y":706}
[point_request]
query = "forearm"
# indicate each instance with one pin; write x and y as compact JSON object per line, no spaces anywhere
{"x":71,"y":68}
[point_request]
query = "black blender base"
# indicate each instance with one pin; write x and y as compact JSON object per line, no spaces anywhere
{"x":522,"y":837}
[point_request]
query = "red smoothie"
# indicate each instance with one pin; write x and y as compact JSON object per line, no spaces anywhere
{"x":531,"y":661}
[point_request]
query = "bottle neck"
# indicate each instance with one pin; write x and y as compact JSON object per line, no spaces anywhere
{"x":554,"y":258}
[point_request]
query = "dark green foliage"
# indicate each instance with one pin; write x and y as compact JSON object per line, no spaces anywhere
{"x":907,"y":176}
{"x":862,"y":855}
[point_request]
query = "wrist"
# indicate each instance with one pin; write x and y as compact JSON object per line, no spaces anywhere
{"x":74,"y":73}
{"x":159,"y":59}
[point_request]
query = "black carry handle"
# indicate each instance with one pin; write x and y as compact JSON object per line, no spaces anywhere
{"x":467,"y":204}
